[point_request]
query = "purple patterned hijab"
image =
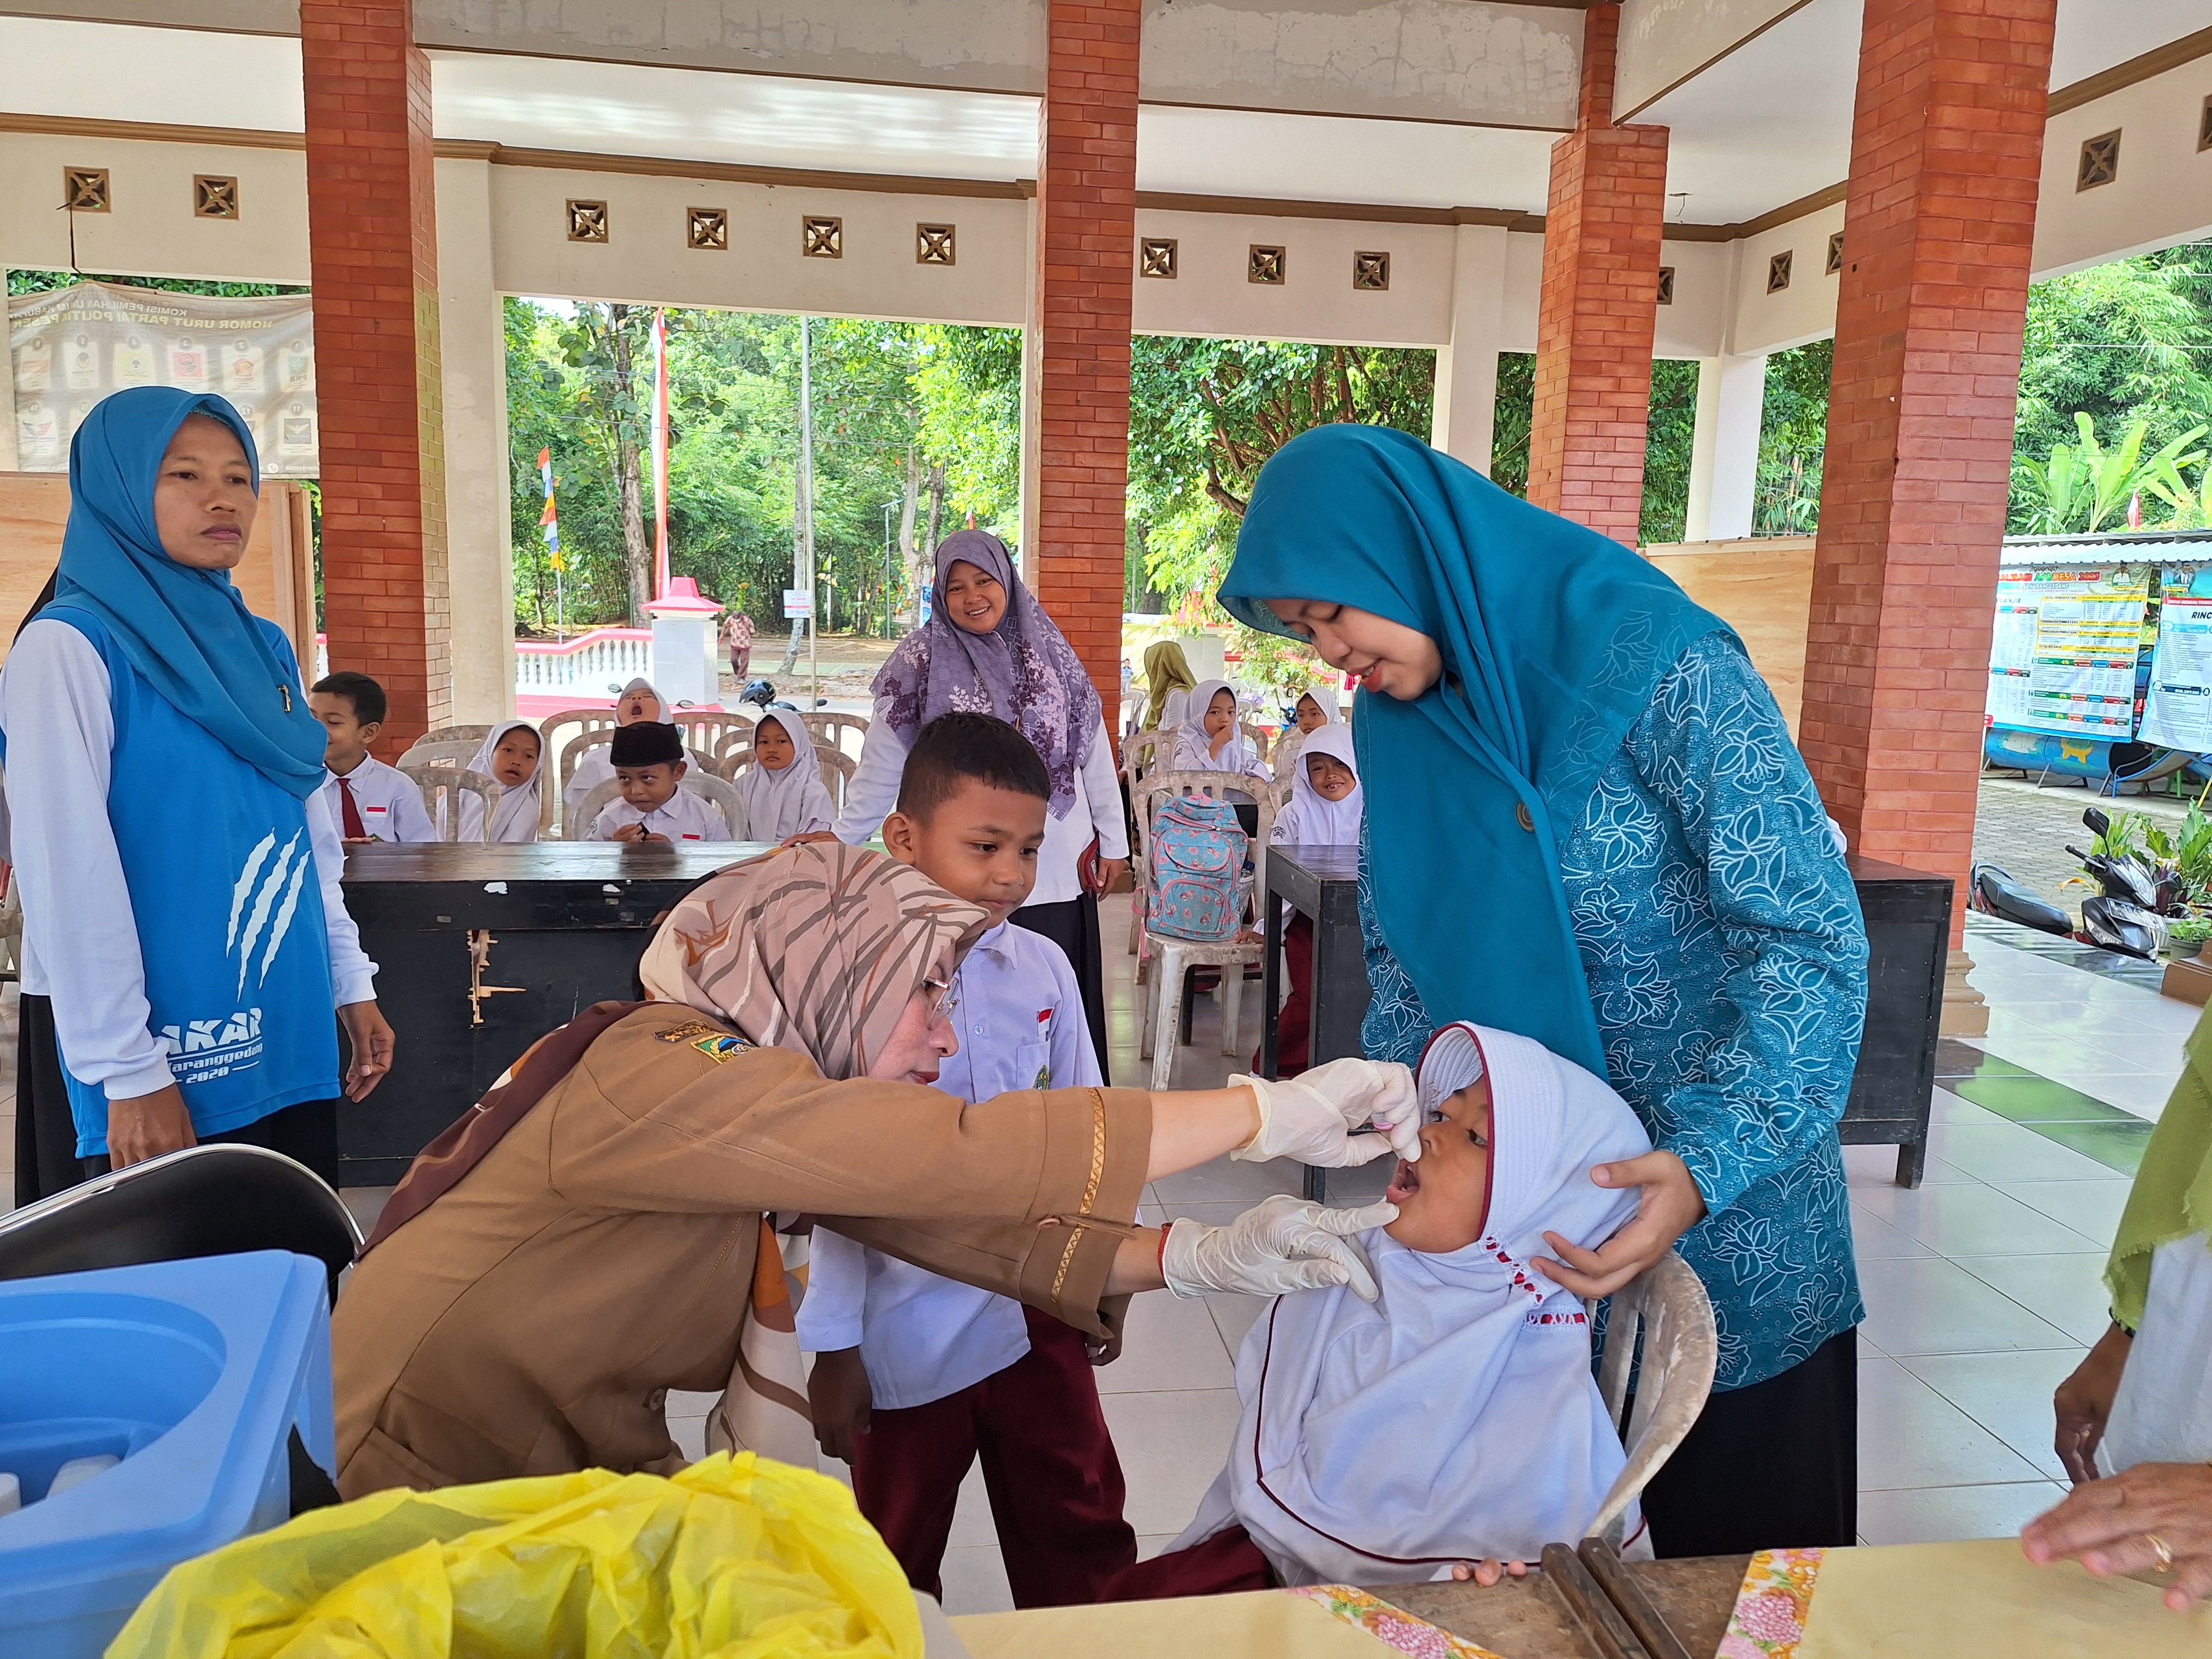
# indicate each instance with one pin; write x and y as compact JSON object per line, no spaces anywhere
{"x":1024,"y":670}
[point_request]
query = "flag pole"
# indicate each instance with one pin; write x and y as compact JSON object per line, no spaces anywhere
{"x":660,"y":453}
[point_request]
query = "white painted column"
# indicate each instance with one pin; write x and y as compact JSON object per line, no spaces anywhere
{"x":1032,"y":369}
{"x":1465,"y":413}
{"x":480,"y":562}
{"x":1724,"y":448}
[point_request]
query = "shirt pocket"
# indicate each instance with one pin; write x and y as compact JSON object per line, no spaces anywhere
{"x":1032,"y":1067}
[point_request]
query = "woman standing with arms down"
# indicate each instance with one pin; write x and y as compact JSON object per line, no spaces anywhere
{"x":988,"y":649}
{"x":1547,"y":724}
{"x":185,"y":935}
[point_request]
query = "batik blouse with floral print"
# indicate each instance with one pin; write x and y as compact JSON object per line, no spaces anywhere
{"x":1726,"y":959}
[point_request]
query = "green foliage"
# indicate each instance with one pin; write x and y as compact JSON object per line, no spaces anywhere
{"x":2188,"y":853}
{"x":1793,"y":435}
{"x":2082,"y":487}
{"x":1666,"y":446}
{"x":43,"y":282}
{"x":1514,"y":418}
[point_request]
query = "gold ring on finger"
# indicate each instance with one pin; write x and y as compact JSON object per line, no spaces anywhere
{"x":2161,"y":1549}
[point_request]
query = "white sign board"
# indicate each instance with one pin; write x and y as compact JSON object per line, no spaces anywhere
{"x":2179,"y":713}
{"x":2062,"y":652}
{"x":797,"y":603}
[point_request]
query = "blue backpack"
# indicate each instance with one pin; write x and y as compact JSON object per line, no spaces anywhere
{"x":1197,"y":884}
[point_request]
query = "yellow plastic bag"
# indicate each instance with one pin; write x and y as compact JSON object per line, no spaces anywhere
{"x":735,"y":1558}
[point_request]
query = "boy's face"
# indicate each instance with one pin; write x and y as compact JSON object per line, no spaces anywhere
{"x":514,"y":761}
{"x":646,"y":788}
{"x":979,"y":844}
{"x":1331,"y":778}
{"x":1310,"y":718}
{"x":636,"y":706}
{"x":1442,"y":1200}
{"x":346,"y":740}
{"x":772,"y":749}
{"x":1220,"y":714}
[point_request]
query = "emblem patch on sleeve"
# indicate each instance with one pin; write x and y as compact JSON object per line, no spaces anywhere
{"x":721,"y":1046}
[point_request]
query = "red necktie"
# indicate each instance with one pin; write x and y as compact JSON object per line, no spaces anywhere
{"x":352,"y":828}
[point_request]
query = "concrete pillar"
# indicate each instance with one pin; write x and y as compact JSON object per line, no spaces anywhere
{"x":1086,"y":260}
{"x":1724,"y":448}
{"x":1465,"y":413}
{"x":1947,"y":143}
{"x":479,"y":524}
{"x":373,"y":252}
{"x":1599,"y":307}
{"x":1032,"y":333}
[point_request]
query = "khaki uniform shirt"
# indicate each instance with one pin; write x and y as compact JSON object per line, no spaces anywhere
{"x":531,"y":1319}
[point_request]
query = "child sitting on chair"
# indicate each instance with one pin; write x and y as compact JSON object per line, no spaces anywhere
{"x":781,"y":797}
{"x":508,"y":755}
{"x":648,"y":765}
{"x":1324,"y":812}
{"x":1454,"y":1421}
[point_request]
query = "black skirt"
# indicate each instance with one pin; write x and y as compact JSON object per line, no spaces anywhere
{"x":1072,"y":925}
{"x":1774,"y":1466}
{"x":47,"y":1163}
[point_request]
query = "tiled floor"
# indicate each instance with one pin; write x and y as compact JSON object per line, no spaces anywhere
{"x":1982,"y":1286}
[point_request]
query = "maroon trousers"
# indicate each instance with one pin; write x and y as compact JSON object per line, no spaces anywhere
{"x":1295,"y":1024}
{"x":1220,"y":1566}
{"x":1049,"y":1464}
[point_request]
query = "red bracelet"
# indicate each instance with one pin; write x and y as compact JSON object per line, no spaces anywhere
{"x":1164,"y":1252}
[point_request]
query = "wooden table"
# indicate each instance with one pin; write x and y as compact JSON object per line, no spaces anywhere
{"x":1908,"y":926}
{"x":538,"y":931}
{"x":1587,"y":1603}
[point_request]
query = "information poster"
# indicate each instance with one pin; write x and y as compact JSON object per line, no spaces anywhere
{"x":2062,"y":652}
{"x":2178,"y":711}
{"x":70,"y":347}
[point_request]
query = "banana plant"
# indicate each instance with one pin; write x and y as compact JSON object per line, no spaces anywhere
{"x":2080,"y":486}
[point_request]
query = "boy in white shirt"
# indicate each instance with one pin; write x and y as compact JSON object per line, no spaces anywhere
{"x":368,"y":800}
{"x":915,"y":1376}
{"x":649,"y":761}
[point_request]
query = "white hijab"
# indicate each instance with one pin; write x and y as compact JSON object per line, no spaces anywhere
{"x":515,"y":818}
{"x":1193,"y":745}
{"x":596,"y":764}
{"x":1456,"y":1418}
{"x":790,"y":802}
{"x":1311,"y":818}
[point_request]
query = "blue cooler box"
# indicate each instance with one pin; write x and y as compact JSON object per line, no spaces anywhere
{"x":193,"y":1373}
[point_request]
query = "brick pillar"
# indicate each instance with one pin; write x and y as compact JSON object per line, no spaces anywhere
{"x":1947,"y":143}
{"x":372,"y":248}
{"x":1599,"y":305}
{"x":1086,"y":249}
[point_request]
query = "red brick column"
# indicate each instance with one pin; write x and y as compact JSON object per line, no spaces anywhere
{"x":373,"y":246}
{"x":1086,"y":251}
{"x":1599,"y":305}
{"x":1946,"y":143}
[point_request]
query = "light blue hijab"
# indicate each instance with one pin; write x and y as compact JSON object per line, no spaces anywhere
{"x":187,"y":631}
{"x":1553,"y":640}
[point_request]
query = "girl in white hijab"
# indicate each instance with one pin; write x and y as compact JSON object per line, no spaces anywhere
{"x":1312,"y":818}
{"x":1311,"y":712}
{"x":638,"y":700}
{"x":513,"y":758}
{"x":1454,"y":1419}
{"x":1205,"y":744}
{"x":786,"y":800}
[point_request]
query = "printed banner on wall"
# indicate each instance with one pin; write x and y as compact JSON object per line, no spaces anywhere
{"x":73,"y":346}
{"x":2178,"y":711}
{"x":2063,"y":654}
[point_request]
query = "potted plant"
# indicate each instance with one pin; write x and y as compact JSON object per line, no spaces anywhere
{"x":2185,"y":937}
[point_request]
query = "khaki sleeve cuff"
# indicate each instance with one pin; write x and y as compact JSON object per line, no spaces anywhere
{"x":1097,"y":1148}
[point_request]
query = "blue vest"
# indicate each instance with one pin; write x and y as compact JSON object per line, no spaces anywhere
{"x":229,"y":911}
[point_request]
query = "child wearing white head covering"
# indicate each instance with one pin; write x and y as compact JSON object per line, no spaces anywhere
{"x":1195,"y":747}
{"x":638,"y":700}
{"x":793,"y":801}
{"x":515,"y":818}
{"x":1313,"y":711}
{"x":1311,"y":819}
{"x":1455,"y":1418}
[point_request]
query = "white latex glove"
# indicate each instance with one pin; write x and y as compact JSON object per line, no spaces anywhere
{"x":1282,"y":1244}
{"x":1310,"y":1117}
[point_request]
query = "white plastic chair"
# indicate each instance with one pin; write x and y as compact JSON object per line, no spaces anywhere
{"x":471,"y":735}
{"x":442,"y":787}
{"x":1142,"y":752}
{"x":1177,"y":957}
{"x":441,"y":752}
{"x":1258,"y":736}
{"x":719,"y":791}
{"x":715,"y":737}
{"x":830,"y":731}
{"x":1667,"y":1304}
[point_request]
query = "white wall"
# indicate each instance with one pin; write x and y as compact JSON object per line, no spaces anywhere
{"x":1663,"y":41}
{"x":1761,"y":322}
{"x":2164,"y":191}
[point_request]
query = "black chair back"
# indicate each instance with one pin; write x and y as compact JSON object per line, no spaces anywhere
{"x":205,"y":1200}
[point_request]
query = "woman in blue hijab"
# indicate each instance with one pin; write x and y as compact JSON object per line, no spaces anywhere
{"x":1549,"y":727}
{"x":185,"y":940}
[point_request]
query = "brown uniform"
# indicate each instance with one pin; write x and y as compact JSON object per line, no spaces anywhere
{"x":531,"y":1319}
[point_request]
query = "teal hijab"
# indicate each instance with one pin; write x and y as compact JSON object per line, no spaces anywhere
{"x":187,"y":631}
{"x":1553,"y":640}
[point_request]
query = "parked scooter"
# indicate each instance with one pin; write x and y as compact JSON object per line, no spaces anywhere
{"x":762,"y":695}
{"x":2124,"y":915}
{"x":1994,"y":892}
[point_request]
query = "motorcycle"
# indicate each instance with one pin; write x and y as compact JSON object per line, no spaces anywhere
{"x":762,"y":695}
{"x":2125,"y":915}
{"x":1993,"y":891}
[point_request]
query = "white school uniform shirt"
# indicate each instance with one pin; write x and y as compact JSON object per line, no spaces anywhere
{"x":1096,"y":810}
{"x":78,"y":929}
{"x":683,"y":816}
{"x":921,"y":1336}
{"x":390,"y":805}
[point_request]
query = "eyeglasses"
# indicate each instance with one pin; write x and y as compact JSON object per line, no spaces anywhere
{"x":948,"y":998}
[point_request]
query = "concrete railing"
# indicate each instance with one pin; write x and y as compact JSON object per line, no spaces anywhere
{"x":586,"y":665}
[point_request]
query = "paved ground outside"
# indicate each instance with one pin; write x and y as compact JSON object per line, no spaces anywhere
{"x":2025,"y":830}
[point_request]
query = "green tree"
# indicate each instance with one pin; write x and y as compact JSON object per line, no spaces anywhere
{"x":1793,"y":436}
{"x":1667,"y":445}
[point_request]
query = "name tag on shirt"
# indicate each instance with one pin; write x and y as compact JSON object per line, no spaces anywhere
{"x":374,"y":819}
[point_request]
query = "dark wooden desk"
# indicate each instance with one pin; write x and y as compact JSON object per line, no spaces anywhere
{"x":1908,"y":925}
{"x":1587,"y":1603}
{"x":564,"y":922}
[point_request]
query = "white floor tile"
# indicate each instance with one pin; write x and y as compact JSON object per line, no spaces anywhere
{"x":1911,"y":1435}
{"x":2008,"y":1394}
{"x":1874,"y":1239}
{"x":1233,"y":1316}
{"x":1171,"y":1446}
{"x":1151,"y":1544}
{"x":1229,"y":1181}
{"x":2091,"y":1208}
{"x":1876,"y":1166}
{"x":1171,"y":1343}
{"x":974,"y":1579}
{"x":2141,"y":1096}
{"x":2010,"y":1152}
{"x":1971,"y":1220}
{"x":2066,"y":1290}
{"x":1927,"y":1305}
{"x":1948,"y":1513}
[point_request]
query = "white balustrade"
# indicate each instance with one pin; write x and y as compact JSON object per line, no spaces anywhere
{"x":586,"y":666}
